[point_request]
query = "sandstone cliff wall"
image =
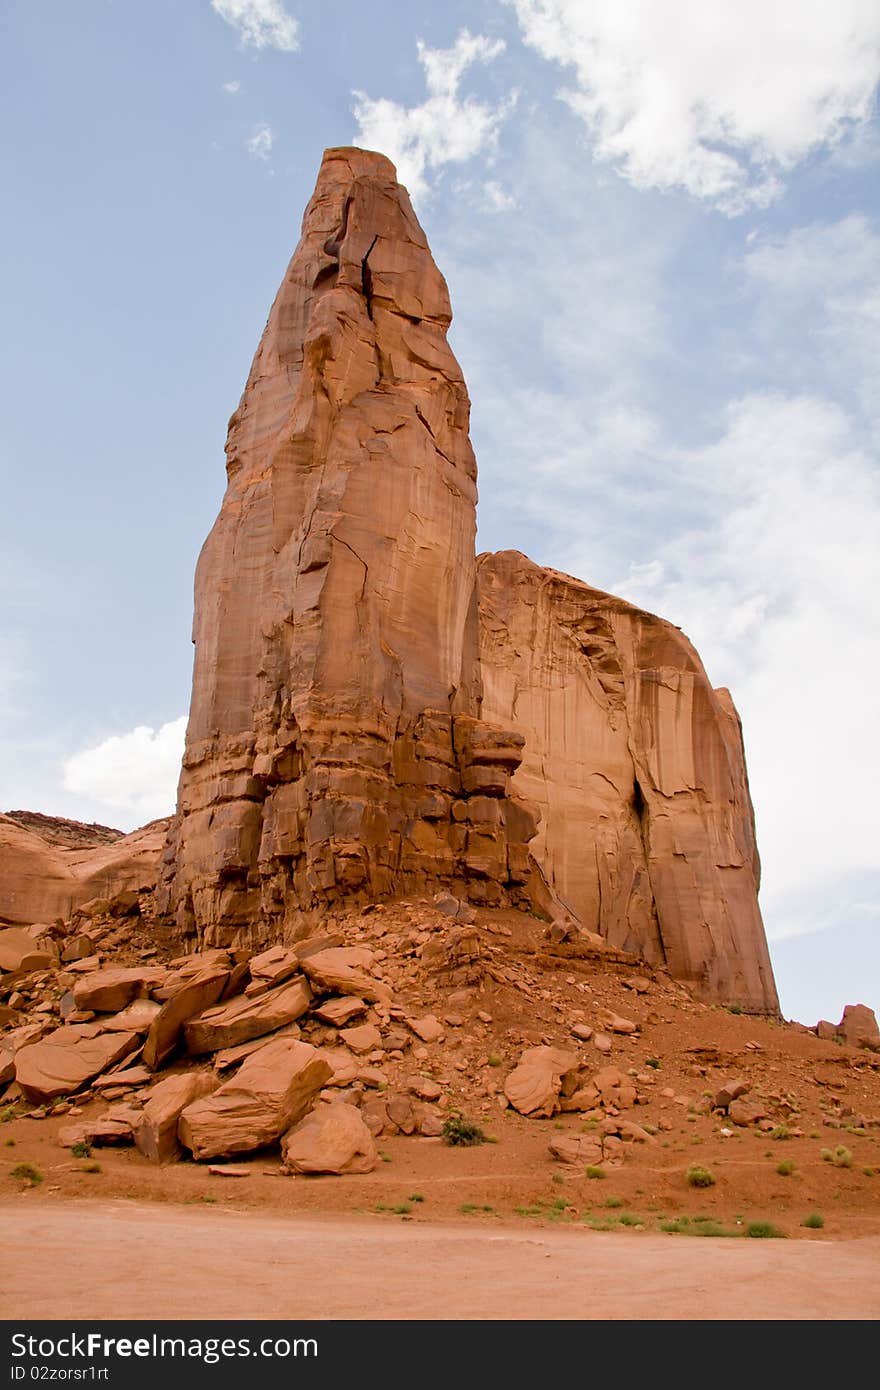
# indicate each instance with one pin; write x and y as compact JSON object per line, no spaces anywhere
{"x":637,"y":766}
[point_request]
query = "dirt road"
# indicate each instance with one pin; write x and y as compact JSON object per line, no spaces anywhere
{"x":133,"y":1260}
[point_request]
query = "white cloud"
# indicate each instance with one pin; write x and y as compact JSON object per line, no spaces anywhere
{"x":821,"y":285}
{"x":497,"y":198}
{"x":775,"y":585}
{"x":715,"y":97}
{"x":446,"y":128}
{"x":232,"y":87}
{"x":260,"y":23}
{"x":260,"y":142}
{"x":137,"y":771}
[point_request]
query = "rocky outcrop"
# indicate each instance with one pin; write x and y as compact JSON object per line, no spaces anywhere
{"x":334,"y":747}
{"x":370,"y":720}
{"x":637,"y":767}
{"x":50,"y":867}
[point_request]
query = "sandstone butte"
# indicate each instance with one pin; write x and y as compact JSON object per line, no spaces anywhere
{"x":377,"y":713}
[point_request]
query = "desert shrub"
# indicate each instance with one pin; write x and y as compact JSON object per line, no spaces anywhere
{"x":699,"y":1177}
{"x":785,"y":1168}
{"x":594,"y":1172}
{"x":764,"y":1230}
{"x":27,"y":1172}
{"x":81,"y":1150}
{"x":840,"y":1157}
{"x":460,"y":1132}
{"x":814,"y":1221}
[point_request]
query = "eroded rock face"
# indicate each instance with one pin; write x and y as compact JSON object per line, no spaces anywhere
{"x":637,"y":767}
{"x":334,"y":748}
{"x":47,"y":870}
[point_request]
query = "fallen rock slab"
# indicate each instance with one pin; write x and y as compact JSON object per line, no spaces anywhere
{"x":429,"y":1029}
{"x":534,"y":1085}
{"x":107,"y":991}
{"x":229,"y":1170}
{"x":340,"y":1012}
{"x":247,"y":1018}
{"x":858,"y":1027}
{"x":127,"y":1076}
{"x":97,"y":1133}
{"x":274,"y":1088}
{"x":364,"y":1038}
{"x":231,"y":1056}
{"x":19,"y":954}
{"x":67,"y":1059}
{"x":156,"y":1131}
{"x":332,"y":1139}
{"x":137,"y":1018}
{"x":190,"y":998}
{"x":341,"y":969}
{"x":746,"y":1112}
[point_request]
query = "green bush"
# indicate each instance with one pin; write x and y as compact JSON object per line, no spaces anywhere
{"x":27,"y":1172}
{"x":785,"y":1168}
{"x":459,"y":1132}
{"x":841,"y":1156}
{"x":81,"y":1150}
{"x":594,"y":1172}
{"x":764,"y":1230}
{"x":699,"y":1177}
{"x":814,"y":1222}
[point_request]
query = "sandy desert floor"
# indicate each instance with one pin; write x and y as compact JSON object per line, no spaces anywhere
{"x":93,"y":1259}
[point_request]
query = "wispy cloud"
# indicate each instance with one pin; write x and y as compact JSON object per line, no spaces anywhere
{"x":232,"y":87}
{"x":260,"y":23}
{"x":135,"y":772}
{"x":716,"y":98}
{"x":446,"y":128}
{"x":260,"y":143}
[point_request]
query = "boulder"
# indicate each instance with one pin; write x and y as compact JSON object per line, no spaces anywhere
{"x":109,"y":990}
{"x":340,"y":969}
{"x":97,"y":1133}
{"x":137,"y":1018}
{"x":190,"y":997}
{"x":582,"y":1149}
{"x":429,"y":1029}
{"x":858,"y":1027}
{"x":156,"y":1131}
{"x":746,"y":1112}
{"x":730,"y":1091}
{"x":534,"y":1085}
{"x":365,"y":1038}
{"x":332,"y":1139}
{"x":340,"y":1012}
{"x":19,"y":953}
{"x":68,"y":1058}
{"x":247,"y":1018}
{"x":273,"y":1089}
{"x":275,"y":965}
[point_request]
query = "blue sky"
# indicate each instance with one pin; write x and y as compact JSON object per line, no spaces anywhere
{"x":660,"y":227}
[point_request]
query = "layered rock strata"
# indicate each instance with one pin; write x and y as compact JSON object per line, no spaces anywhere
{"x":636,"y":763}
{"x":335,"y":747}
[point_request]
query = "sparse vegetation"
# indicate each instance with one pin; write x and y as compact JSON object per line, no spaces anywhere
{"x":653,"y":1062}
{"x":594,"y":1172}
{"x":27,"y":1172}
{"x":780,"y":1132}
{"x":90,"y":1168}
{"x":81,"y":1150}
{"x":495,"y":1060}
{"x":814,"y":1221}
{"x":764,"y":1230}
{"x":385,"y":1157}
{"x":459,"y":1132}
{"x":416,"y":1197}
{"x":785,"y":1168}
{"x":840,"y":1157}
{"x":614,"y":1202}
{"x":699,"y":1177}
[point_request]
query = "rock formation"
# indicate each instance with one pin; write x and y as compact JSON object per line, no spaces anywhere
{"x":636,"y":763}
{"x":50,"y":867}
{"x":334,"y":746}
{"x":361,"y":701}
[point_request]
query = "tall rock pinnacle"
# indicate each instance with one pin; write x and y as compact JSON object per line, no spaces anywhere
{"x":349,"y":652}
{"x":334,"y":746}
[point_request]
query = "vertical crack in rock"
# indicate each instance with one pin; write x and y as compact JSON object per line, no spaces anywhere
{"x":367,"y":278}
